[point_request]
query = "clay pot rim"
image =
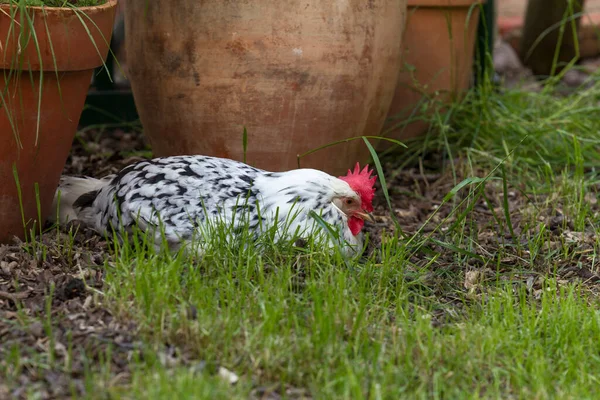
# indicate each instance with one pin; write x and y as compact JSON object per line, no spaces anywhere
{"x":74,"y":49}
{"x":442,"y":3}
{"x":108,"y":4}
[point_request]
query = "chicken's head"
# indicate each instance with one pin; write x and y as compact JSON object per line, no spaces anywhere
{"x":363,"y":184}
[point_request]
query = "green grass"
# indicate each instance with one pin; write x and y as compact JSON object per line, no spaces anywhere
{"x":440,"y":314}
{"x":345,"y":333}
{"x":401,"y":324}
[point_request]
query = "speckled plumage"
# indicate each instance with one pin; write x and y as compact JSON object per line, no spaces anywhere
{"x":188,"y":193}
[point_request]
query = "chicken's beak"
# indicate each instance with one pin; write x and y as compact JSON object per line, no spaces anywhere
{"x":365,"y":216}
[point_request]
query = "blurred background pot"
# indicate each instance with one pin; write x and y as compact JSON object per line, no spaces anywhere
{"x":437,"y":62}
{"x":297,"y":75}
{"x":37,"y":126}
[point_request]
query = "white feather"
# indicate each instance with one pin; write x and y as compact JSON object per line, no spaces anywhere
{"x":186,"y":194}
{"x":69,"y":190}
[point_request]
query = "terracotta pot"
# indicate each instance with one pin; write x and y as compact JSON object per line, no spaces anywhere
{"x":297,"y":75}
{"x":437,"y":61}
{"x":40,"y":155}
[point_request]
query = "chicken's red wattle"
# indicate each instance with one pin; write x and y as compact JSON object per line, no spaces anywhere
{"x":355,"y":224}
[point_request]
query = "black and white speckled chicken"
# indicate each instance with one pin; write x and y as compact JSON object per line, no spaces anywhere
{"x":186,"y":194}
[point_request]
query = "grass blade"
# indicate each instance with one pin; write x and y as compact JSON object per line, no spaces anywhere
{"x":245,"y":143}
{"x":381,"y":177}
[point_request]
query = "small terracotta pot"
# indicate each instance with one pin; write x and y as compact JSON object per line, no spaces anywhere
{"x":297,"y":75}
{"x":437,"y":61}
{"x":68,"y":58}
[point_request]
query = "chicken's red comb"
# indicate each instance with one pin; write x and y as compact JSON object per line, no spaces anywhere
{"x":362,"y":183}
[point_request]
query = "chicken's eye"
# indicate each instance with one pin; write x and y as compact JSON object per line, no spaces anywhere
{"x":349,"y":201}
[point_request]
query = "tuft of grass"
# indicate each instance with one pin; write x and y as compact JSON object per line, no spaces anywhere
{"x":301,"y":321}
{"x":385,"y":326}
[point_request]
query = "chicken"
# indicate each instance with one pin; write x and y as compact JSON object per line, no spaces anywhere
{"x":186,"y":195}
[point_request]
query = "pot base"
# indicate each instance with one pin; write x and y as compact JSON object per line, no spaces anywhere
{"x":40,"y":163}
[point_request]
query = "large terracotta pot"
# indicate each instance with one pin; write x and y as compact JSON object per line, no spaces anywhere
{"x":437,"y":61}
{"x":39,"y":151}
{"x":297,"y":75}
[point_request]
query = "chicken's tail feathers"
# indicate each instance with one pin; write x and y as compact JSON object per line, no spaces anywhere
{"x":73,"y":194}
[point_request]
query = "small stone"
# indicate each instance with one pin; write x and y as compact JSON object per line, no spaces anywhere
{"x":229,"y":376}
{"x":36,"y":329}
